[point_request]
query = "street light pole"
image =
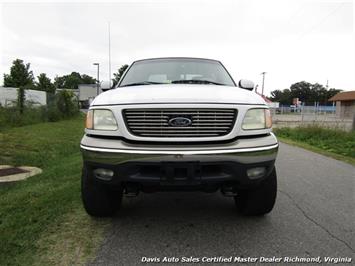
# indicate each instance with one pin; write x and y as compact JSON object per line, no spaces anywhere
{"x":98,"y":77}
{"x":262,"y":88}
{"x":109,"y":53}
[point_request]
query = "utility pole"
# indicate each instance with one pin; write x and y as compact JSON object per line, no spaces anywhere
{"x":109,"y":52}
{"x":98,"y":78}
{"x":262,"y":87}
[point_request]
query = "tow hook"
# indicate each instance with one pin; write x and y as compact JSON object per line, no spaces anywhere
{"x":228,"y":191}
{"x":131,"y":190}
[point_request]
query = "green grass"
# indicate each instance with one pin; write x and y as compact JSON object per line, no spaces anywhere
{"x":36,"y":214}
{"x":331,"y":142}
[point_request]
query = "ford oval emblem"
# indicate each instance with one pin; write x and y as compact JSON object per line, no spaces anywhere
{"x":180,"y":122}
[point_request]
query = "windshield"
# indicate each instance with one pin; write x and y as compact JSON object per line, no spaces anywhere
{"x":176,"y":70}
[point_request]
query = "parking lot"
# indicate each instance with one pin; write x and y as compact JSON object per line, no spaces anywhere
{"x":313,"y":216}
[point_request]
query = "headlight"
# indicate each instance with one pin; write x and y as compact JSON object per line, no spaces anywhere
{"x":101,"y":120}
{"x":257,"y":119}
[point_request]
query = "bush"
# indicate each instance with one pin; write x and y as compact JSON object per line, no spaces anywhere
{"x":12,"y":117}
{"x":21,"y":98}
{"x":63,"y":105}
{"x":67,"y":103}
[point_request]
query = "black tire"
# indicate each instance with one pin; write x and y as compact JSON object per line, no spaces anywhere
{"x":259,"y":200}
{"x":98,"y":199}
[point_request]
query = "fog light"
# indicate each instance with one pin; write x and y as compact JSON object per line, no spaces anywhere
{"x":104,"y":174}
{"x":257,"y":172}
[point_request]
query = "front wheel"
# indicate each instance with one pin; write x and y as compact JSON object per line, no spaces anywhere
{"x":259,"y":200}
{"x":98,"y":199}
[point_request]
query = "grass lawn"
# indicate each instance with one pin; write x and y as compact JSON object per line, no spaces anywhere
{"x":42,"y":221}
{"x":330,"y":142}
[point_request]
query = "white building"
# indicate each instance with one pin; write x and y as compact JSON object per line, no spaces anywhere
{"x":8,"y":96}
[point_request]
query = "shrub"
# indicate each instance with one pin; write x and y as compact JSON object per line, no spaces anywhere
{"x":21,"y":98}
{"x":62,"y":105}
{"x":12,"y":117}
{"x":67,"y":103}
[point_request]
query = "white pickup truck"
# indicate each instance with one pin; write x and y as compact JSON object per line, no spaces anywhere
{"x":179,"y":124}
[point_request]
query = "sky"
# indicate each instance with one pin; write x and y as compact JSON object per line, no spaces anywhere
{"x":291,"y":40}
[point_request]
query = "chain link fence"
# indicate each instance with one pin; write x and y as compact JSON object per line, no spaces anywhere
{"x":323,"y":116}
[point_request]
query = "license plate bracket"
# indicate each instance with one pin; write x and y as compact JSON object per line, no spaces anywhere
{"x":175,"y":173}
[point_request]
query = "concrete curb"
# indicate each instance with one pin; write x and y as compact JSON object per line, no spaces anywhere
{"x":17,"y":177}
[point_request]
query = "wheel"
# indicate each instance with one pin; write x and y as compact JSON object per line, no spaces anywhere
{"x":259,"y":200}
{"x":99,"y":200}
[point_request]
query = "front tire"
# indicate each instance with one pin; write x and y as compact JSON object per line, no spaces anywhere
{"x":98,"y":199}
{"x":259,"y":200}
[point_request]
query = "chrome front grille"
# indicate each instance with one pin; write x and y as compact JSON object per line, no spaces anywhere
{"x":205,"y":122}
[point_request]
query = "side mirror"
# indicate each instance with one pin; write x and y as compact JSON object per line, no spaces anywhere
{"x":246,"y":84}
{"x":105,"y":85}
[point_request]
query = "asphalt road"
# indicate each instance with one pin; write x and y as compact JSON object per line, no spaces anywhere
{"x":314,"y":216}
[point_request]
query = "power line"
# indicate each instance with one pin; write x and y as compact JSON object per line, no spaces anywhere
{"x":334,"y":10}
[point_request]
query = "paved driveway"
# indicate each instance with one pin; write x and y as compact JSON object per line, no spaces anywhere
{"x":313,"y":216}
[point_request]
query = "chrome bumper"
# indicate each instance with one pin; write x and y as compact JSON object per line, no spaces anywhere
{"x":245,"y":151}
{"x":161,"y":165}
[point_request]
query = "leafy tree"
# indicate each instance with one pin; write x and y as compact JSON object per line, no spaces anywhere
{"x":20,"y":75}
{"x":119,"y":74}
{"x":59,"y":81}
{"x":86,"y":79}
{"x":73,"y":80}
{"x":283,"y":97}
{"x":306,"y":92}
{"x":301,"y":90}
{"x":45,"y":84}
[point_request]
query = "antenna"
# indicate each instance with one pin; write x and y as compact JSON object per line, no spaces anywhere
{"x":109,"y":52}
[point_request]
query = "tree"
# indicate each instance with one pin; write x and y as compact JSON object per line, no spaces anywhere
{"x":119,"y":74}
{"x":73,"y":80}
{"x":86,"y":79}
{"x":283,"y":97}
{"x":45,"y":84}
{"x":318,"y":93}
{"x":301,"y":90}
{"x":20,"y":75}
{"x":59,"y":81}
{"x":306,"y":92}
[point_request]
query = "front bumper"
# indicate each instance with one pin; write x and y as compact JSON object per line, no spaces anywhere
{"x":177,"y":165}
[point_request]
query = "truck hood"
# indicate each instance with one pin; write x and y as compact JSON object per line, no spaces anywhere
{"x":177,"y":93}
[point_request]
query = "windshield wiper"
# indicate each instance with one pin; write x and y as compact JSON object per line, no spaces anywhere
{"x":141,"y":83}
{"x":195,"y":81}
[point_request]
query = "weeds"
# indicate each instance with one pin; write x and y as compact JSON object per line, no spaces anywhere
{"x":331,"y":140}
{"x":62,"y":105}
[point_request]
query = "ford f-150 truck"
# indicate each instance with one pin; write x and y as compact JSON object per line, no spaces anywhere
{"x":179,"y":124}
